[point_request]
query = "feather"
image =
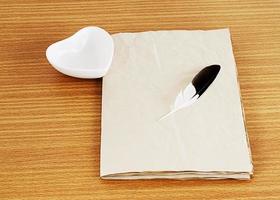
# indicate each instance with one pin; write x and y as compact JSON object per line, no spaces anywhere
{"x":195,"y":89}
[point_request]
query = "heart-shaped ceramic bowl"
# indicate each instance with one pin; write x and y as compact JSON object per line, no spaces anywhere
{"x":86,"y":54}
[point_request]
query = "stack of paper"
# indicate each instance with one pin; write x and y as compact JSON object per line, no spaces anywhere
{"x":205,"y":140}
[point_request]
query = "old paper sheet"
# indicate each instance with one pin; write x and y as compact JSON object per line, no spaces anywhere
{"x":148,"y":71}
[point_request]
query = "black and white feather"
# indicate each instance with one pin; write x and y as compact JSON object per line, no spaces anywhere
{"x":195,"y":89}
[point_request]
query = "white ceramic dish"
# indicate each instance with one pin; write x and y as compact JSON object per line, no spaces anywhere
{"x":86,"y":54}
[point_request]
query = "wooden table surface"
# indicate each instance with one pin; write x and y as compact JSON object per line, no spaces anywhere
{"x":50,"y":123}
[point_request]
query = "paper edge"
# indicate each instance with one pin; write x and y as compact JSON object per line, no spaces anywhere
{"x":179,"y":175}
{"x":172,"y":30}
{"x":242,"y":109}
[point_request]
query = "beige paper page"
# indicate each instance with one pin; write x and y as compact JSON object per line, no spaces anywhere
{"x":148,"y":71}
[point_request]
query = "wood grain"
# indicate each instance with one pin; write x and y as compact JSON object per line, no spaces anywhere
{"x":50,"y":123}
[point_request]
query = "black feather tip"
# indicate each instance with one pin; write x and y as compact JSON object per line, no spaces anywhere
{"x":204,"y":78}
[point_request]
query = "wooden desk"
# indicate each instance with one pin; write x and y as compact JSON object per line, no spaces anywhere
{"x":50,"y":123}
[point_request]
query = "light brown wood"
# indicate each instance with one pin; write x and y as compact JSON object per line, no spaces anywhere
{"x":50,"y":123}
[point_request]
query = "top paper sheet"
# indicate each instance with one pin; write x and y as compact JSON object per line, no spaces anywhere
{"x":149,"y":69}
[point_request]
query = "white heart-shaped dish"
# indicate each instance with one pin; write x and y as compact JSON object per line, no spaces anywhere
{"x":86,"y":54}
